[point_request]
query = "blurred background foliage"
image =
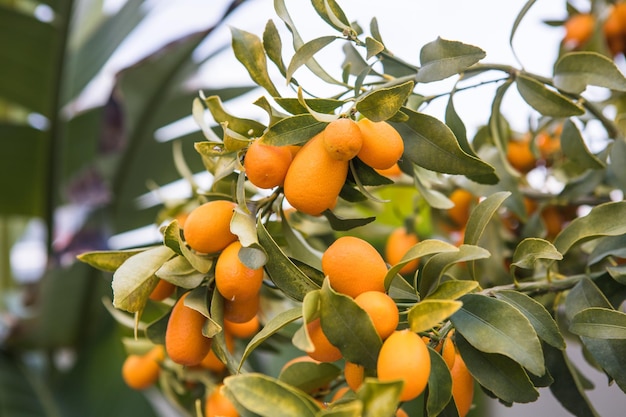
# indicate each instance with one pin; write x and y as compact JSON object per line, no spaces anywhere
{"x":89,"y":164}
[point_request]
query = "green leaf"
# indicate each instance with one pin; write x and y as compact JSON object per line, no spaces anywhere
{"x":451,"y":290}
{"x":575,"y":149}
{"x":574,"y":71}
{"x":439,"y":384}
{"x":173,"y":240}
{"x":608,"y":246}
{"x":332,"y":14}
{"x":274,"y":325}
{"x":618,"y":273}
{"x":293,"y":130}
{"x":348,"y":327}
{"x":429,"y":143}
{"x":107,"y":261}
{"x":546,"y":101}
{"x":379,"y":398}
{"x":502,"y":376}
{"x":248,"y":50}
{"x":244,"y":226}
{"x":532,"y":249}
{"x":494,"y":326}
{"x":343,"y":409}
{"x":306,"y":52}
{"x":429,"y":313}
{"x":342,"y":224}
{"x":442,"y":58}
{"x":281,"y":270}
{"x":600,"y":221}
{"x":273,"y":46}
{"x":373,"y":47}
{"x":382,"y":103}
{"x":269,"y":397}
{"x":320,"y":105}
{"x":180,"y":272}
{"x":246,"y":127}
{"x":481,"y":215}
{"x":567,"y":387}
{"x":541,"y":320}
{"x":599,"y":323}
{"x":435,"y":267}
{"x":134,"y":279}
{"x":309,"y":376}
{"x":423,"y":248}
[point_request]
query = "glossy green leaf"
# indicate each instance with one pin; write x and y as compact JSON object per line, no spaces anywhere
{"x":574,"y":71}
{"x":344,"y":409}
{"x":599,"y":323}
{"x":348,"y":327}
{"x":600,"y":221}
{"x":107,"y":261}
{"x":134,"y":279}
{"x":567,"y":387}
{"x":419,"y":250}
{"x":439,"y":384}
{"x":451,"y":290}
{"x":245,"y":127}
{"x":269,"y":397}
{"x":274,"y":325}
{"x":382,"y":103}
{"x":546,"y":101}
{"x":428,"y":313}
{"x":293,"y":130}
{"x":608,"y":246}
{"x":306,"y":52}
{"x":429,"y":143}
{"x":575,"y":149}
{"x":442,"y":58}
{"x":499,"y":374}
{"x":309,"y":376}
{"x":273,"y":46}
{"x":321,"y":105}
{"x":244,"y":226}
{"x":219,"y":340}
{"x":281,"y":270}
{"x":481,"y":215}
{"x":426,"y":182}
{"x":494,"y":326}
{"x":379,"y":398}
{"x":299,"y":247}
{"x":618,"y":273}
{"x":249,"y":50}
{"x":436,"y":266}
{"x":531,"y":250}
{"x":455,"y":123}
{"x":342,"y":224}
{"x":539,"y":317}
{"x":180,"y":272}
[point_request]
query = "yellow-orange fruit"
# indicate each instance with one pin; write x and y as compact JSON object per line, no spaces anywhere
{"x":462,"y":386}
{"x":218,"y":405}
{"x":323,"y":351}
{"x":354,"y":375}
{"x":342,"y":139}
{"x":266,"y":165}
{"x":142,"y":371}
{"x":162,"y":290}
{"x":354,"y":266}
{"x":578,"y":29}
{"x":212,"y":362}
{"x":341,"y":391}
{"x":314,"y":178}
{"x":381,"y":309}
{"x":520,"y":156}
{"x":242,"y":330}
{"x":404,"y":356}
{"x":614,"y":29}
{"x":233,"y":279}
{"x":553,"y":219}
{"x":393,"y":172}
{"x":401,"y":413}
{"x":463,"y":201}
{"x":445,"y":348}
{"x":184,"y":342}
{"x":397,"y":245}
{"x":382,"y":144}
{"x":207,"y":228}
{"x":241,"y":310}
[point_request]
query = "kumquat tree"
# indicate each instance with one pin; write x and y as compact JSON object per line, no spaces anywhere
{"x":356,"y":256}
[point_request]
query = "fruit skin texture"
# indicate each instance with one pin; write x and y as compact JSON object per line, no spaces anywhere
{"x":142,"y":371}
{"x":240,"y":310}
{"x":233,"y":279}
{"x":462,"y":386}
{"x":266,"y":165}
{"x":382,"y":310}
{"x":314,"y":179}
{"x":184,"y":341}
{"x":207,"y":228}
{"x":324,"y":350}
{"x":354,"y":375}
{"x":354,"y":266}
{"x":398,"y":243}
{"x":405,"y":356}
{"x":520,"y":155}
{"x":242,"y":330}
{"x":578,"y":29}
{"x":217,"y":404}
{"x":343,"y":139}
{"x":382,"y":144}
{"x":462,"y":200}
